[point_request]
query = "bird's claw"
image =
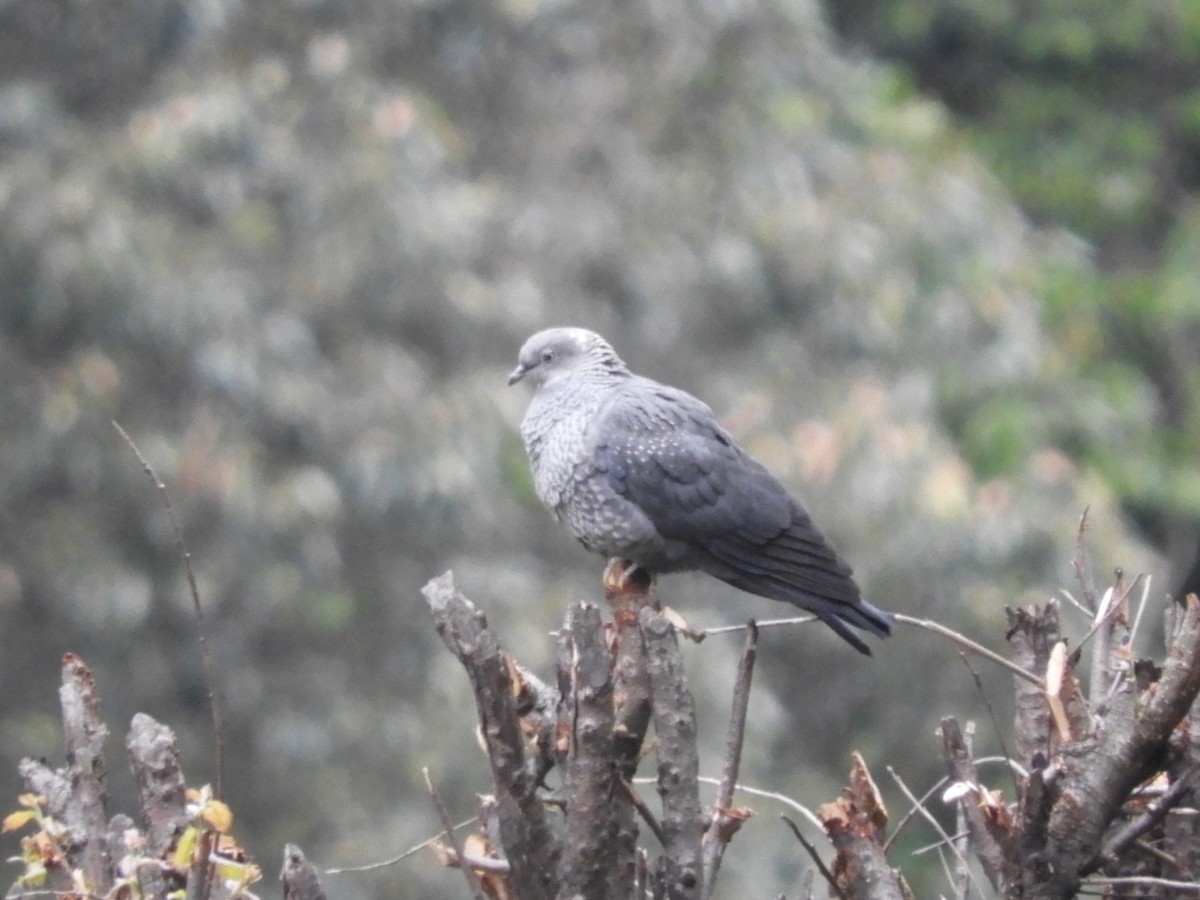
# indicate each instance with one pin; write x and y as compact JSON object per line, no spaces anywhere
{"x":621,"y":577}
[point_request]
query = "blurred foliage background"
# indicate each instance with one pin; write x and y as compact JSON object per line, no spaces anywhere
{"x":1090,"y":116}
{"x":934,"y":263}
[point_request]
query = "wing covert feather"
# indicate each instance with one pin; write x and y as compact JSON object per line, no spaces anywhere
{"x":663,"y":450}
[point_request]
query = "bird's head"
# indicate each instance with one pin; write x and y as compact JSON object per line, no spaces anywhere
{"x":557,"y":353}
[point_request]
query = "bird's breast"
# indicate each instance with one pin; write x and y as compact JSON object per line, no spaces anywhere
{"x":555,"y":445}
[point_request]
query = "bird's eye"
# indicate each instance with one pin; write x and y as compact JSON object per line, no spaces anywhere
{"x":547,"y":356}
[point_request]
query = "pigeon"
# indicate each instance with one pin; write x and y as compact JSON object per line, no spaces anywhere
{"x":643,"y":472}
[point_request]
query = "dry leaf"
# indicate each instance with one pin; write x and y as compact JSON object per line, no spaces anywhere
{"x":218,"y":815}
{"x":18,"y":819}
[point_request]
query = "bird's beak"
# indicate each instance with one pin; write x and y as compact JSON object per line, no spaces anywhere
{"x":517,"y":374}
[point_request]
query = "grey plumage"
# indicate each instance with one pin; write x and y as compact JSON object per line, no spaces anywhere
{"x":641,"y":471}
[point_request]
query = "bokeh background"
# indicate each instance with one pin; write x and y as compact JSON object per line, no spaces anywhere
{"x":935,"y":262}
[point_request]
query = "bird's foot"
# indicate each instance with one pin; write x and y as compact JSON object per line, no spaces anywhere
{"x":623,"y":576}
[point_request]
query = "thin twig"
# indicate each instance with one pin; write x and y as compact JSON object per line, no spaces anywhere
{"x":939,"y":844}
{"x":945,"y":863}
{"x":1110,"y":611}
{"x":961,"y":878}
{"x":1137,"y":619}
{"x":1083,"y":572}
{"x":737,"y":722}
{"x":1161,"y":855}
{"x":772,"y":795}
{"x":479,"y":863}
{"x":816,"y":858}
{"x":937,"y":827}
{"x":1154,"y":814}
{"x":1012,"y":765}
{"x":411,"y":851}
{"x":1102,"y":631}
{"x":759,"y":624}
{"x":210,"y":677}
{"x":967,"y":644}
{"x":640,"y":805}
{"x":715,"y":840}
{"x":918,"y":806}
{"x":755,"y":792}
{"x":1070,"y":598}
{"x":1186,"y":887}
{"x":452,"y":838}
{"x":992,"y":716}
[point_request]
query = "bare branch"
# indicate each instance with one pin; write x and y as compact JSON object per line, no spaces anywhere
{"x":631,"y":719}
{"x":919,"y":806}
{"x":154,"y":757}
{"x":722,"y":826}
{"x":999,"y":732}
{"x":76,"y":794}
{"x":85,"y":732}
{"x":451,"y":837}
{"x":986,"y":819}
{"x":1154,"y":814}
{"x":586,"y":723}
{"x":529,"y":844}
{"x":1083,"y":571}
{"x":678,"y":764}
{"x":478,"y":863}
{"x":411,"y":851}
{"x":967,"y":644}
{"x":760,"y":624}
{"x":210,"y":677}
{"x":1032,"y":634}
{"x":1112,"y":604}
{"x":816,"y":858}
{"x":961,"y":878}
{"x":782,"y":799}
{"x":644,"y":809}
{"x":1157,"y":884}
{"x":631,"y":680}
{"x":855,"y":824}
{"x":1120,"y":756}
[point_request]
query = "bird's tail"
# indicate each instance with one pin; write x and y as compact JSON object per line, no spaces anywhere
{"x":802,"y":569}
{"x":862,"y":615}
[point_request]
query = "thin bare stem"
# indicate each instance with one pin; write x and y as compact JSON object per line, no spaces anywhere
{"x":1183,"y":887}
{"x":1011,"y":764}
{"x":642,"y":807}
{"x":716,"y":837}
{"x":1083,"y":572}
{"x":1137,"y":619}
{"x":1110,"y":611}
{"x":967,"y":644}
{"x":759,"y":624}
{"x":452,"y":838}
{"x":777,"y":797}
{"x":939,"y":844}
{"x":480,"y":863}
{"x":928,"y":816}
{"x":992,"y":716}
{"x":210,"y":677}
{"x":961,"y":875}
{"x":411,"y":851}
{"x":1155,"y":813}
{"x":1070,"y":598}
{"x":816,"y":858}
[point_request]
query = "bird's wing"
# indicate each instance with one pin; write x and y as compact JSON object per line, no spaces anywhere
{"x":664,"y":451}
